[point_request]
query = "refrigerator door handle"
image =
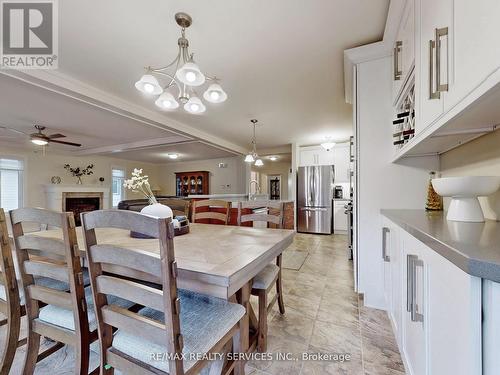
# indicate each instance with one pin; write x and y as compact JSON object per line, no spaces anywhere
{"x":313,"y":209}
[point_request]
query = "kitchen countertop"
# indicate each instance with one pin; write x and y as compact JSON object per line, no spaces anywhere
{"x":473,"y":247}
{"x":235,"y":198}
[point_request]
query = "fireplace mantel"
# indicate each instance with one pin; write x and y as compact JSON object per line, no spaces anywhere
{"x":54,"y":194}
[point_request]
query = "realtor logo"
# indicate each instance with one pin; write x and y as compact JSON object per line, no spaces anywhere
{"x":28,"y":34}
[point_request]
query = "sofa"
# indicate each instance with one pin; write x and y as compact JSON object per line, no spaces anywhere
{"x":179,"y":206}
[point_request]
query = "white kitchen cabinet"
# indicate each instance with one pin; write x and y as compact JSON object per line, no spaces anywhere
{"x":435,"y":39}
{"x":315,"y":155}
{"x":341,"y":161}
{"x":474,"y":54}
{"x":339,"y":216}
{"x":438,"y":299}
{"x":391,"y":255}
{"x":404,"y":48}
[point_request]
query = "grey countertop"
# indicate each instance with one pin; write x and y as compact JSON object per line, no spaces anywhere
{"x":473,"y":247}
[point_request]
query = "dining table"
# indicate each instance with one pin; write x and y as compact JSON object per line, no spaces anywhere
{"x":217,"y":260}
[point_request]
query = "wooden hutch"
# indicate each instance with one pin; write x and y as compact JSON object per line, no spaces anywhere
{"x":191,"y":183}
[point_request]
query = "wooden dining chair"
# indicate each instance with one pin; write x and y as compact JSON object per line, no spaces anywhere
{"x":211,"y":209}
{"x":10,"y":301}
{"x":60,"y":308}
{"x":263,"y":282}
{"x":172,"y":323}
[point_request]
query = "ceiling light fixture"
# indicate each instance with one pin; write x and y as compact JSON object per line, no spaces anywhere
{"x":39,"y":141}
{"x":173,"y":156}
{"x":184,"y":74}
{"x":328,"y":145}
{"x":252,"y":156}
{"x":273,"y":158}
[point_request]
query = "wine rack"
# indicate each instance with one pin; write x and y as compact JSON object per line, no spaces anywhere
{"x":404,"y":124}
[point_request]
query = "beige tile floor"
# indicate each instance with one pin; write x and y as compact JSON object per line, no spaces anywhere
{"x":323,"y":315}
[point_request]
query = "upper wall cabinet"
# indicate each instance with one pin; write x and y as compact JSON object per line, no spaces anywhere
{"x":436,"y":19}
{"x":315,"y":155}
{"x":474,"y":52}
{"x":404,"y":49}
{"x":457,"y":52}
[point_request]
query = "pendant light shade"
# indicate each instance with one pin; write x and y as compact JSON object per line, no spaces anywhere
{"x":148,"y":84}
{"x":259,"y":163}
{"x":249,"y":158}
{"x":215,"y":94}
{"x":167,"y":101}
{"x":190,"y":74}
{"x":194,"y":105}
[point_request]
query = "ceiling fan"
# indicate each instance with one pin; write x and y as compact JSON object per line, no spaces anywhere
{"x":41,"y":139}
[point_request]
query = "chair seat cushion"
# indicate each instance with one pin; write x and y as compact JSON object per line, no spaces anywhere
{"x":65,"y":318}
{"x":43,"y":281}
{"x":204,"y":321}
{"x":265,"y":278}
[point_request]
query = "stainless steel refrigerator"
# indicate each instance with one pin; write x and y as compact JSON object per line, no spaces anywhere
{"x":314,"y":199}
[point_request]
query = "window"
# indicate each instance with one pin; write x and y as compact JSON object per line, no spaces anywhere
{"x":117,"y":178}
{"x":11,"y":183}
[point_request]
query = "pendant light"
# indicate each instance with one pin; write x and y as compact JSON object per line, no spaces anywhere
{"x":167,"y":101}
{"x":194,"y":105}
{"x":148,"y":84}
{"x":252,"y":156}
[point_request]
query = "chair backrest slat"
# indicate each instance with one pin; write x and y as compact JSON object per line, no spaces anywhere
{"x":115,"y":219}
{"x":118,"y":283}
{"x":47,"y":269}
{"x":50,"y":296}
{"x":134,"y":324}
{"x":130,"y":258}
{"x":60,"y":262}
{"x":50,"y":245}
{"x":273,"y":212}
{"x":206,"y":206}
{"x":140,"y":294}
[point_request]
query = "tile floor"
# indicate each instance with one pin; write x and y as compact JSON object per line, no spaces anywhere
{"x":323,"y":315}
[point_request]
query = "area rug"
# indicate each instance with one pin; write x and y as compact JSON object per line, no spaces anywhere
{"x":293,"y":259}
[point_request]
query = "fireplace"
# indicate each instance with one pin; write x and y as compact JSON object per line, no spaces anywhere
{"x":78,"y":202}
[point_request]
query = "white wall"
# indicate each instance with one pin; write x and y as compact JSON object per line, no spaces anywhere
{"x":380,"y":184}
{"x":39,"y":169}
{"x":480,"y":157}
{"x":230,"y":180}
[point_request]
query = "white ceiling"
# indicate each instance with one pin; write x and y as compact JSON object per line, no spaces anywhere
{"x":280,"y":61}
{"x":188,"y":151}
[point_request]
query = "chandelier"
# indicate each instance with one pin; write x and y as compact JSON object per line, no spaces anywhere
{"x":182,"y":76}
{"x":252,"y":156}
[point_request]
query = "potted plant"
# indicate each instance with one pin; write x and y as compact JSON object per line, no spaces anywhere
{"x":79,"y":172}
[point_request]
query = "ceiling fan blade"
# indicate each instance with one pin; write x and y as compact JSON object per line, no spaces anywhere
{"x":65,"y":143}
{"x":57,"y":135}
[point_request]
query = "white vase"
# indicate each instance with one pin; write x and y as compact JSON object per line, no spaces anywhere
{"x":158,"y":210}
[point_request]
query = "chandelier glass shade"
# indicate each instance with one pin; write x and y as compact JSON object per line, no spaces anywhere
{"x":180,"y":78}
{"x":167,"y":101}
{"x":252,"y":156}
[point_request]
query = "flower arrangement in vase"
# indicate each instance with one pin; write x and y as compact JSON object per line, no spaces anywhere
{"x":79,"y":172}
{"x":139,"y":183}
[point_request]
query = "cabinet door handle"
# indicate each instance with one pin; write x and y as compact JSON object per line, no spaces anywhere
{"x":440,"y":33}
{"x":385,"y":232}
{"x":432,"y":94}
{"x":416,"y":316}
{"x":397,"y":49}
{"x":410,"y":259}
